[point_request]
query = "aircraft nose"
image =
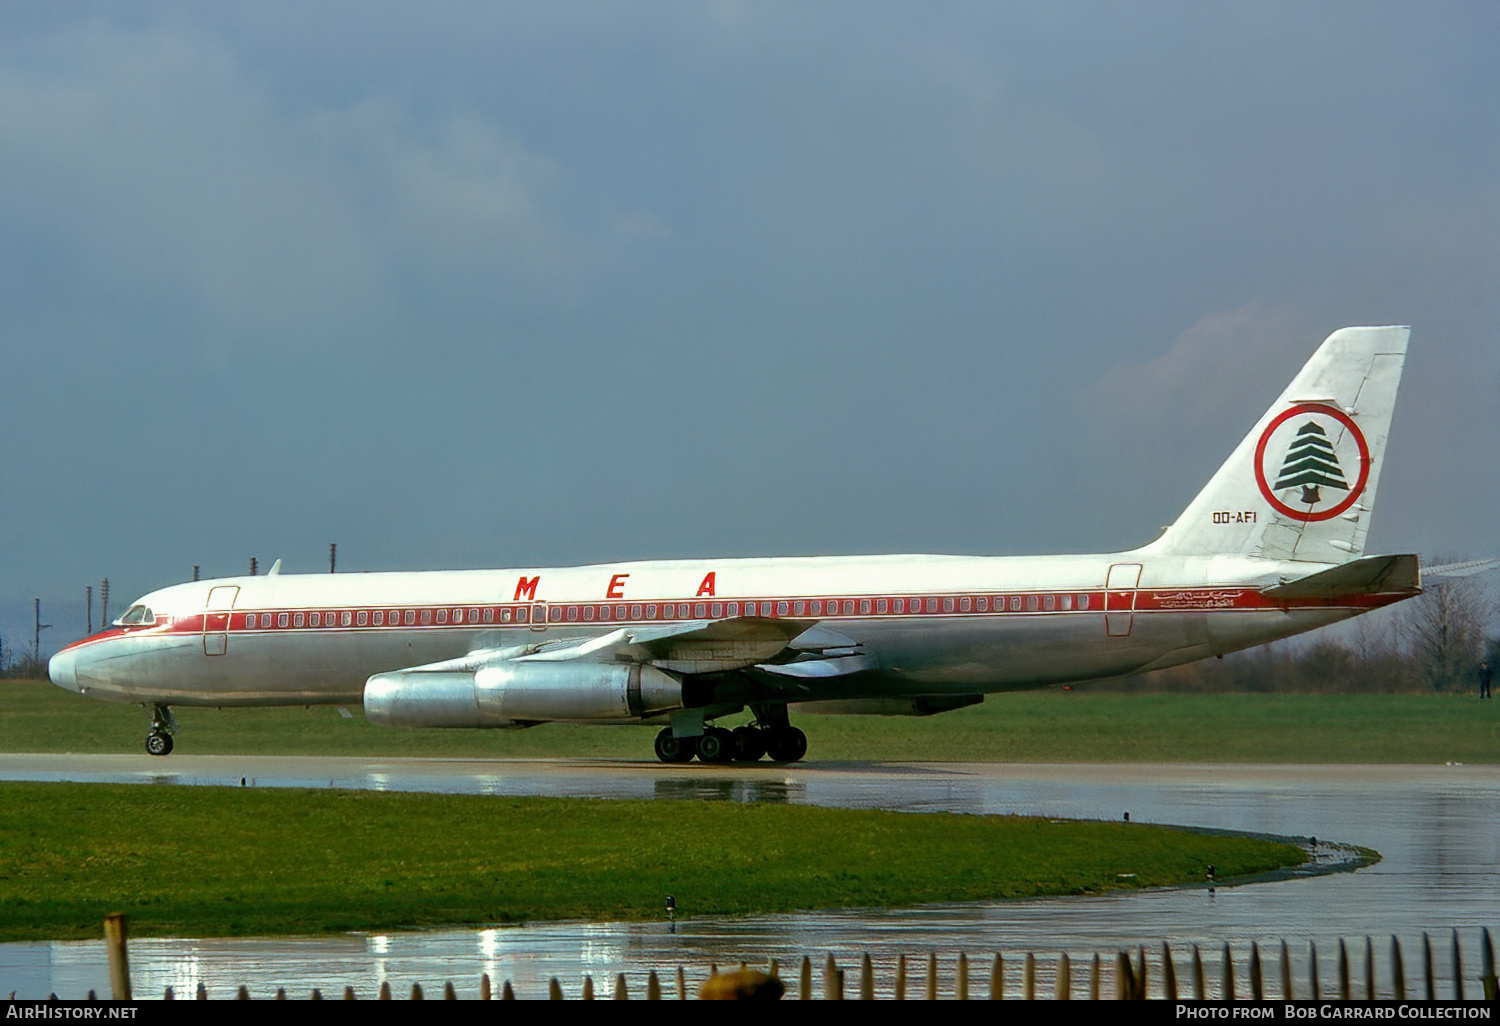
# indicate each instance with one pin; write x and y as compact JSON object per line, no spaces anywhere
{"x":62,"y":669}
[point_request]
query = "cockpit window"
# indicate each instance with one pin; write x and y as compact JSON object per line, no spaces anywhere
{"x":136,"y":616}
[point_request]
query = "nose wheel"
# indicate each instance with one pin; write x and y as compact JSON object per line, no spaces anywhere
{"x":163,"y":726}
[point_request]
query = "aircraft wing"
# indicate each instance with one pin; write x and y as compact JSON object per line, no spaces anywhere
{"x":1372,"y":575}
{"x":700,"y":646}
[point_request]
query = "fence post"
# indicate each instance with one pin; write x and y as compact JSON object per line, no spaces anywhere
{"x":1228,"y":994}
{"x":1028,"y":984}
{"x":1369,"y":968}
{"x":588,"y":987}
{"x":1122,"y":977}
{"x":1168,"y":973}
{"x":1064,"y":977}
{"x":997,"y":979}
{"x":484,"y":986}
{"x":1487,"y":974}
{"x":1312,"y":969}
{"x":1095,"y":978}
{"x":932,"y":981}
{"x":1427,"y":967}
{"x":621,"y":993}
{"x":866,"y":979}
{"x":1257,"y":990}
{"x":804,"y":978}
{"x":1458,"y":970}
{"x":653,"y":987}
{"x":1398,"y":970}
{"x":1198,"y":991}
{"x":119,"y":961}
{"x":1345,"y":992}
{"x":961,"y":983}
{"x":900,"y":977}
{"x":1287,"y":990}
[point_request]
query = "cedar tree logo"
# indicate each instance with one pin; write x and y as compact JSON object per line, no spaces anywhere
{"x":1314,"y":450}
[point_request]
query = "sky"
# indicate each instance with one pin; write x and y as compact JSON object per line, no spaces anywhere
{"x":539,"y":284}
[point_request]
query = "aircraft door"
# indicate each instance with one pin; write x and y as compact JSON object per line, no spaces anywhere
{"x":216,"y":619}
{"x":1119,"y":599}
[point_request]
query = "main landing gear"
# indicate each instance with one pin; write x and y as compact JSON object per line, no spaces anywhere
{"x":163,"y":726}
{"x":717,"y":745}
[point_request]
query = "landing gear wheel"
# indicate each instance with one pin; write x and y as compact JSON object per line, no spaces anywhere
{"x":749,"y":744}
{"x":787,"y":744}
{"x":671,"y":748}
{"x":716,"y":745}
{"x":159,"y":743}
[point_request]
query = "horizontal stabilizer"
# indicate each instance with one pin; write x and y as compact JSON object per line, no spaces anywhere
{"x":1466,"y":569}
{"x":1372,"y":575}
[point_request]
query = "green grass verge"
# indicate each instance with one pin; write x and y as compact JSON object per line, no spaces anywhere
{"x":192,"y":861}
{"x":1033,"y":726}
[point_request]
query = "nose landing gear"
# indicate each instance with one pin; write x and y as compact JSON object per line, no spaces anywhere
{"x":163,"y":726}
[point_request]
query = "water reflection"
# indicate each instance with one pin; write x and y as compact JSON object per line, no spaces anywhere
{"x":1433,"y":825}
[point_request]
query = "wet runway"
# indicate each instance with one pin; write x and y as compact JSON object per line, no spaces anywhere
{"x":1435,"y":827}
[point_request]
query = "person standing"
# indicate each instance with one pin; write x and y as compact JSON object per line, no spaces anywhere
{"x":1484,"y":680}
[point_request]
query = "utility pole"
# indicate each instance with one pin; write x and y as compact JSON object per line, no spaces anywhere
{"x":195,"y":571}
{"x":104,"y":602}
{"x":333,"y":556}
{"x":252,"y":566}
{"x":88,"y":600}
{"x":37,"y":628}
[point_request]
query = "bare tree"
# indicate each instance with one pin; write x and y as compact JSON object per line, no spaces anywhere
{"x":1445,"y":632}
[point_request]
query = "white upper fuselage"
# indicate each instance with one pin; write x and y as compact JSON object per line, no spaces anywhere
{"x":928,"y":624}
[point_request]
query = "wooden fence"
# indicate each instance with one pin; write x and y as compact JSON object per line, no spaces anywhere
{"x":1167,"y":975}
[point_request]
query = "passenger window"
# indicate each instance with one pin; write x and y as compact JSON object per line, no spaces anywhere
{"x":700,"y":610}
{"x":1015,"y":602}
{"x":781,"y":609}
{"x":947,"y":605}
{"x":410,"y":617}
{"x":798,"y":607}
{"x":281,"y":619}
{"x":522,"y":615}
{"x":1031,"y":603}
{"x":734,"y":609}
{"x":442,"y":615}
{"x":1083,"y":601}
{"x":651,"y":611}
{"x":379,"y":617}
{"x":864,"y":605}
{"x":298,"y":620}
{"x":1067,"y":602}
{"x":588,"y":612}
{"x":363,"y":617}
{"x":932,"y":605}
{"x":314,"y":619}
{"x":964,"y":604}
{"x":717,"y":610}
{"x":881,"y":606}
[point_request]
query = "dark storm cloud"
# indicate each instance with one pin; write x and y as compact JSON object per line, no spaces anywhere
{"x":500,"y":284}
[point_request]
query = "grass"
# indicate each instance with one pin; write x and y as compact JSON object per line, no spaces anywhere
{"x":1035,"y":726}
{"x":218,"y":862}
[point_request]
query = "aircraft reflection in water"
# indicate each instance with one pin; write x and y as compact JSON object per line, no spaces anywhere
{"x":1272,"y":546}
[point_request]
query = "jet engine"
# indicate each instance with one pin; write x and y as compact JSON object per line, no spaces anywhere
{"x":515,"y":693}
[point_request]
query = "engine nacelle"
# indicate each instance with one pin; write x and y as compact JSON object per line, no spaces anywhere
{"x":513,"y":693}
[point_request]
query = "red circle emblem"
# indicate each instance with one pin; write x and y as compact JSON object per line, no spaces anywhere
{"x":1364,"y":462}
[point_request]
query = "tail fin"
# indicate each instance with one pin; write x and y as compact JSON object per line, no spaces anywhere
{"x":1302,"y":483}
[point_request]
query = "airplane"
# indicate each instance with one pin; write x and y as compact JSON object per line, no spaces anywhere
{"x":1271,"y":547}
